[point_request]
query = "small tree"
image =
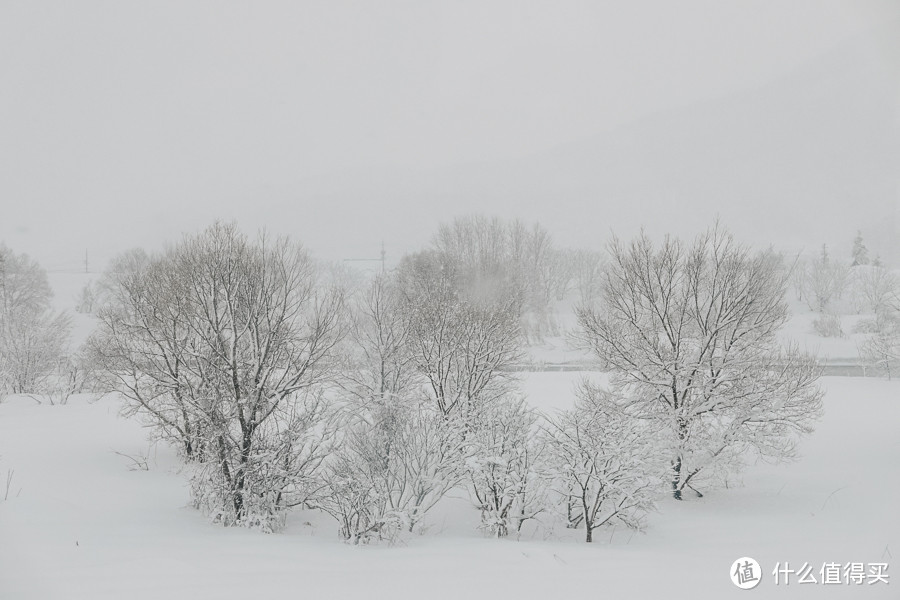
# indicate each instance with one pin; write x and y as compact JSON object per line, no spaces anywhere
{"x":603,"y":462}
{"x":690,"y":335}
{"x":504,"y":467}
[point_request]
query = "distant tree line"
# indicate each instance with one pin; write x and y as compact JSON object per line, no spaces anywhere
{"x":862,"y":286}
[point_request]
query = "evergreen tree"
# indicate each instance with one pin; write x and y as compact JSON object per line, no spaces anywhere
{"x":860,"y":253}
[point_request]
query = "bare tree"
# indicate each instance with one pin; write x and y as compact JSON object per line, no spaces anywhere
{"x":602,"y":462}
{"x":689,"y":333}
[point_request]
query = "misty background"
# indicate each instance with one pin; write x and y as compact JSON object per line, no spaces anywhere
{"x":349,"y":124}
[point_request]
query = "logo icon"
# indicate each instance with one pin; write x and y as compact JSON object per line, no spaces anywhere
{"x":746,"y":573}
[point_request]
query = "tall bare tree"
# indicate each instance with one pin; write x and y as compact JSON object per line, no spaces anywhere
{"x":379,"y":363}
{"x":462,"y":337}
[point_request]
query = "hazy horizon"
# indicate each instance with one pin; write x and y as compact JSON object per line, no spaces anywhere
{"x":128,"y":125}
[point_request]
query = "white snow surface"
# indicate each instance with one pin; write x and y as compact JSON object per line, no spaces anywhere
{"x":78,"y":524}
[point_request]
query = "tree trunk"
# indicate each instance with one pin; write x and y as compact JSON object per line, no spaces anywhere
{"x":589,"y":531}
{"x":676,"y":479}
{"x":677,"y":465}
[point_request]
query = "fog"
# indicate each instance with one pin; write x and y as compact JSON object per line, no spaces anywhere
{"x":349,"y":124}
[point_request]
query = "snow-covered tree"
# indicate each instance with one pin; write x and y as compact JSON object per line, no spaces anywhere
{"x":33,"y":337}
{"x":602,"y":462}
{"x":504,"y":467}
{"x":222,"y":343}
{"x":860,"y":253}
{"x":267,"y":334}
{"x":689,"y":333}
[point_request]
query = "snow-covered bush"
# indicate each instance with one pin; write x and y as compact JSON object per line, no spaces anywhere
{"x":395,"y":460}
{"x":828,"y":325}
{"x":867,"y":325}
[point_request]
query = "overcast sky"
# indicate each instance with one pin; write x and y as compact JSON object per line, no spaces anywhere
{"x":126,"y":123}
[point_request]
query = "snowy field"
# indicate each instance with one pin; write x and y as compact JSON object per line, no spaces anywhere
{"x":78,"y":523}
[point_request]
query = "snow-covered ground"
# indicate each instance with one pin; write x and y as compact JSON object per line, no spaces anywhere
{"x":79,"y":524}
